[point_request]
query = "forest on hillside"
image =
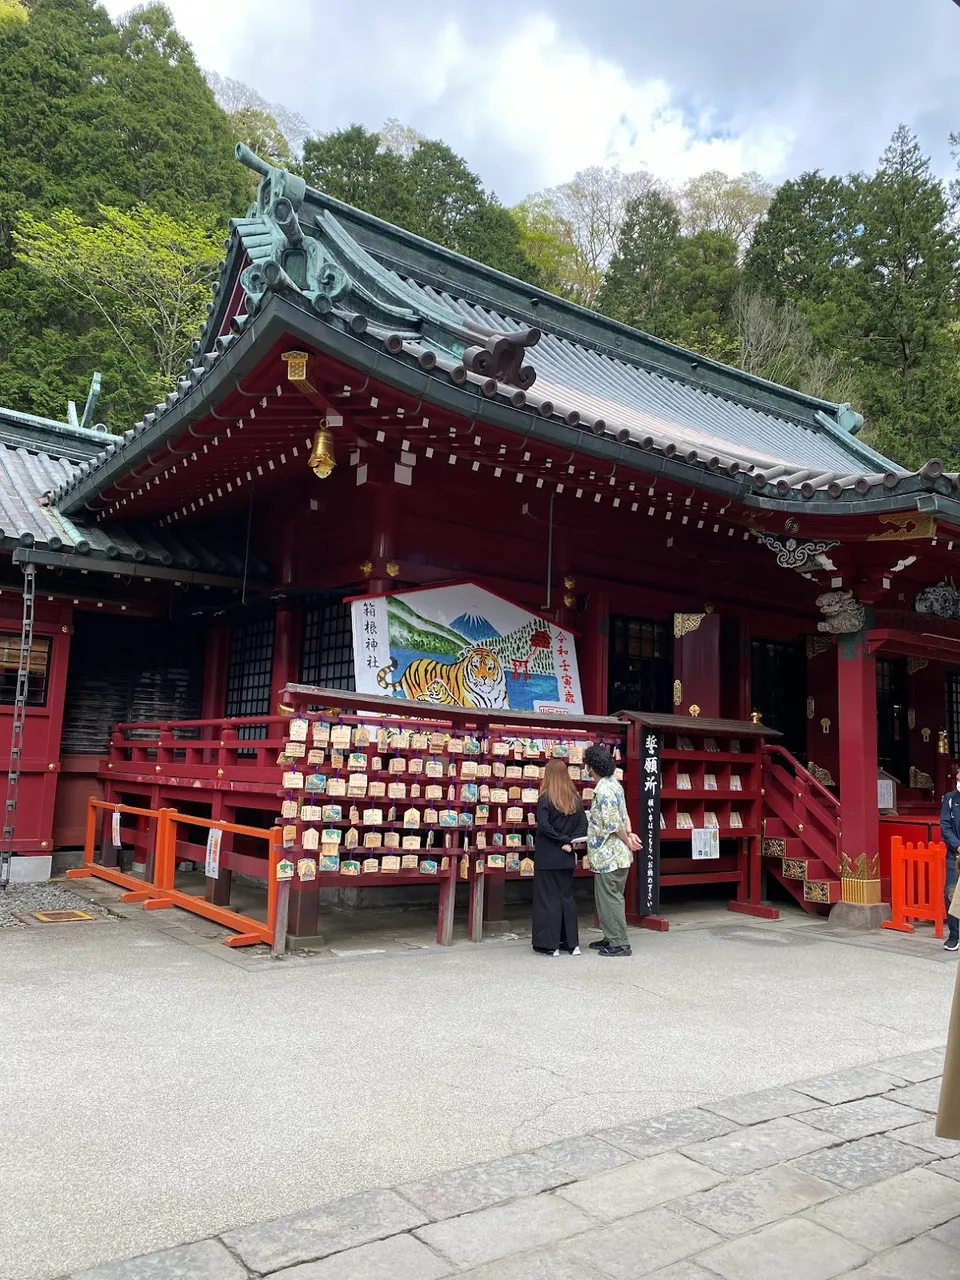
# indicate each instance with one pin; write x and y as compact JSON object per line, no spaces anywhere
{"x":117,"y":179}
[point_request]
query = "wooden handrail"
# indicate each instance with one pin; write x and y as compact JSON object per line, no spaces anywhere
{"x":800,"y":770}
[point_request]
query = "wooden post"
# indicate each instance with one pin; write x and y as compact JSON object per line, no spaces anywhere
{"x":448,"y":898}
{"x":279,"y":949}
{"x":594,"y":651}
{"x":857,"y":732}
{"x":475,"y":922}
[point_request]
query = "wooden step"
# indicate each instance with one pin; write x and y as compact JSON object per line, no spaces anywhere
{"x":822,"y":891}
{"x":776,"y":829}
{"x":803,"y":868}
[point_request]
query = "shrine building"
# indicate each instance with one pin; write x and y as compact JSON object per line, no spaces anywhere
{"x":366,"y":414}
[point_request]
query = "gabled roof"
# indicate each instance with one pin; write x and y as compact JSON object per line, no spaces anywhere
{"x":39,"y":454}
{"x":381,"y":298}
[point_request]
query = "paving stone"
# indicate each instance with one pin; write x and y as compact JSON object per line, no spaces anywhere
{"x":791,"y":1250}
{"x":892,"y":1211}
{"x":583,"y":1157}
{"x":924,"y":1258}
{"x":743,"y":1204}
{"x":915,"y":1066}
{"x":316,"y":1233}
{"x":949,"y":1233}
{"x":481,"y":1185}
{"x":860,"y":1119}
{"x":858,"y":1164}
{"x":948,"y":1168}
{"x":207,"y":1260}
{"x":924,"y":1136}
{"x":643,"y":1184}
{"x":767,"y":1104}
{"x":640,"y":1244}
{"x":683,"y":1271}
{"x":925,"y":1095}
{"x":399,"y":1258}
{"x":496,"y":1233}
{"x":555,"y":1263}
{"x":666,"y":1133}
{"x":759,"y":1147}
{"x":848,"y":1086}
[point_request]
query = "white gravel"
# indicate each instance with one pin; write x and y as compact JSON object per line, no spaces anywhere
{"x":18,"y":900}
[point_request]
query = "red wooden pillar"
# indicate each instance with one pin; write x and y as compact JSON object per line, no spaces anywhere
{"x":215,"y":672}
{"x":384,"y":536}
{"x":286,"y":650}
{"x":857,"y":735}
{"x":594,"y":653}
{"x":696,"y":663}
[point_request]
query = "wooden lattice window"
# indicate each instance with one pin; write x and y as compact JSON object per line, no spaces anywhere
{"x":326,"y":656}
{"x":38,"y":669}
{"x":640,"y":672}
{"x":250,"y":672}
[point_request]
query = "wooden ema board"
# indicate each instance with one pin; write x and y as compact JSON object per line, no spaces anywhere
{"x":373,"y":802}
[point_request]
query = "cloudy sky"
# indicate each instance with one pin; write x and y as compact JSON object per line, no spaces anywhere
{"x":529,"y":91}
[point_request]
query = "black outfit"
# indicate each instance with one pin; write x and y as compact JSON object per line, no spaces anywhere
{"x":950,"y":831}
{"x":554,"y":910}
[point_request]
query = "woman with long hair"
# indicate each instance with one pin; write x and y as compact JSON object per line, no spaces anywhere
{"x":560,"y":820}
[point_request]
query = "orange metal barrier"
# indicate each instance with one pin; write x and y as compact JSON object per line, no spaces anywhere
{"x":917,"y":880}
{"x":157,"y":889}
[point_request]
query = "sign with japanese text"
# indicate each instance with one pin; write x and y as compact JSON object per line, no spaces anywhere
{"x":648,"y":857}
{"x":214,"y":840}
{"x":706,"y":842}
{"x":464,"y":646}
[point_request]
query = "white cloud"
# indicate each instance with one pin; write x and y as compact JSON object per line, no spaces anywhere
{"x":525,"y":105}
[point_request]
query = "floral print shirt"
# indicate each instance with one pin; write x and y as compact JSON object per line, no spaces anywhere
{"x":608,"y":814}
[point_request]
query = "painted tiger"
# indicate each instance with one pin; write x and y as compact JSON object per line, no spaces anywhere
{"x":477,"y":680}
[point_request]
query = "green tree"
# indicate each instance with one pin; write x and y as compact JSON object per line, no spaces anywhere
{"x":547,"y":240}
{"x":638,"y":287}
{"x":801,"y":250}
{"x":715,"y":201}
{"x":92,"y":115}
{"x":677,"y":287}
{"x":899,"y":302}
{"x":420,"y":185}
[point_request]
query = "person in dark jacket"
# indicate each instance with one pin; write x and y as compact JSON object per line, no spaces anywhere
{"x":950,"y":832}
{"x":560,"y":820}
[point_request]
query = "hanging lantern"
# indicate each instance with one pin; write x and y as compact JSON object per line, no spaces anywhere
{"x":321,"y":461}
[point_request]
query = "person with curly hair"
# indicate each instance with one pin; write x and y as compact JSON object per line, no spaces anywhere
{"x":610,"y":847}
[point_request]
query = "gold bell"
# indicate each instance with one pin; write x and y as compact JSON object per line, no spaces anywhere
{"x":321,"y":461}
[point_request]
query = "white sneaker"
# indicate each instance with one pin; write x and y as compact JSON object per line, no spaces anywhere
{"x":556,"y":953}
{"x":575,"y":951}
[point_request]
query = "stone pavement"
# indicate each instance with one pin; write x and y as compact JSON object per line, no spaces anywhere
{"x":839,"y":1175}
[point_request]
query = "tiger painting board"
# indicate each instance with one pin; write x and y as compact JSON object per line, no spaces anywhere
{"x":462,"y":645}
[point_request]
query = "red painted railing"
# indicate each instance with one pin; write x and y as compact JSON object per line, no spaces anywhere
{"x":808,"y":811}
{"x":238,"y":747}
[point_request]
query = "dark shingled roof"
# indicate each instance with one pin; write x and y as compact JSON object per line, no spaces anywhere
{"x":28,"y":471}
{"x":401,"y":299}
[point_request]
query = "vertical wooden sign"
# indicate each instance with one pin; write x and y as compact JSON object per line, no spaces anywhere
{"x":648,"y":857}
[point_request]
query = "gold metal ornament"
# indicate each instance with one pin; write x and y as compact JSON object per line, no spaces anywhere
{"x":569,"y":583}
{"x":677,"y":693}
{"x":811,"y":708}
{"x":943,"y":746}
{"x":911,"y":718}
{"x":756,"y":716}
{"x":825,"y":724}
{"x":392,"y":568}
{"x":321,"y":461}
{"x":925,"y":734}
{"x":694,"y":710}
{"x":366,"y":568}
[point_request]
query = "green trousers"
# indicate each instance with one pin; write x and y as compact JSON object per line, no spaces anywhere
{"x":608,"y":887}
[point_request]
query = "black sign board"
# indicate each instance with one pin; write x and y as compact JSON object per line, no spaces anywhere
{"x":648,"y":856}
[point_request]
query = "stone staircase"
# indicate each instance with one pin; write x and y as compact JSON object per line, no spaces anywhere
{"x":801,"y":832}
